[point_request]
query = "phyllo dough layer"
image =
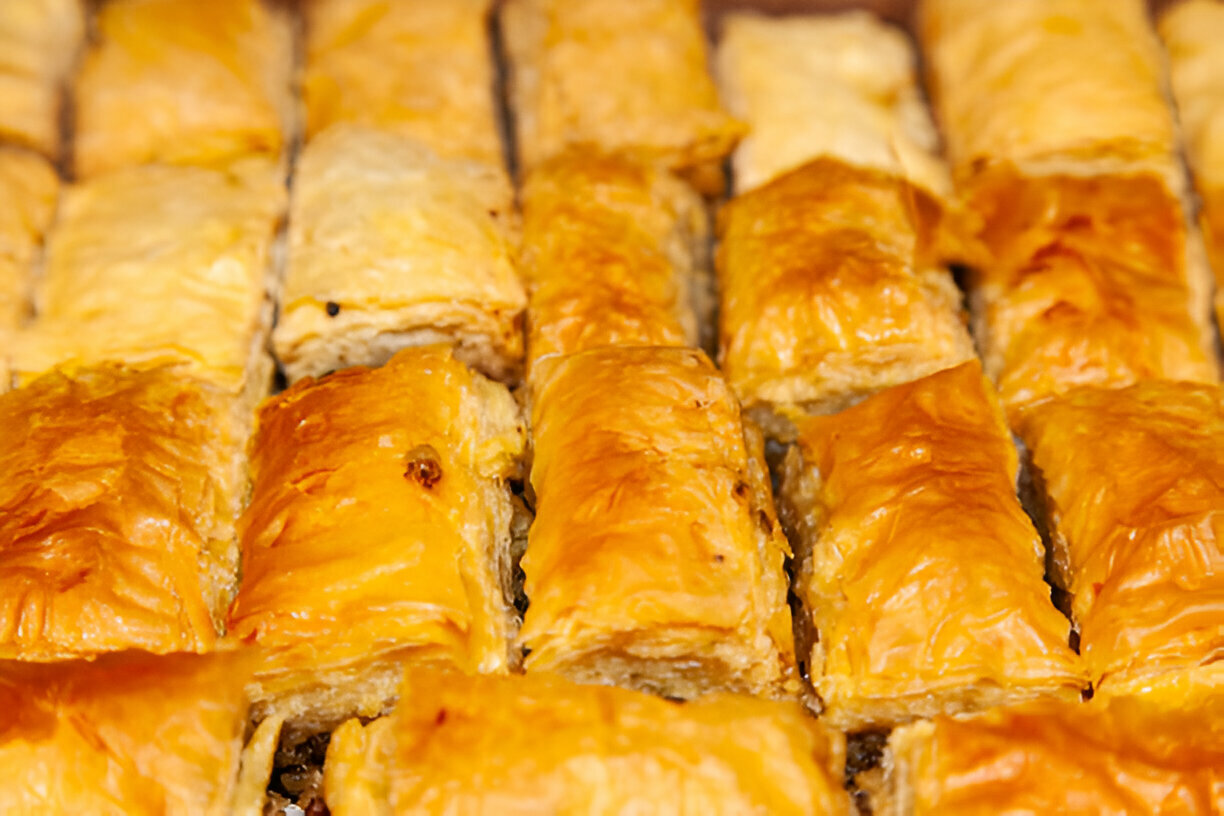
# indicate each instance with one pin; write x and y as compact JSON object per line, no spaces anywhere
{"x":919,"y":574}
{"x":39,"y":41}
{"x":183,"y":82}
{"x":378,"y":533}
{"x":614,"y":254}
{"x":117,"y":503}
{"x":1193,"y":31}
{"x":619,"y":77}
{"x":29,"y":188}
{"x":829,"y":291}
{"x":391,"y":246}
{"x":1159,"y":754}
{"x":158,"y":264}
{"x":654,"y":560}
{"x":828,"y":85}
{"x":130,"y":733}
{"x":539,"y":744}
{"x":1133,"y":485}
{"x":421,"y":68}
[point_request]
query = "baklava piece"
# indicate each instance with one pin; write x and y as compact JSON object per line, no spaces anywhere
{"x":118,"y":493}
{"x":390,"y":246}
{"x":378,"y":534}
{"x":183,"y":82}
{"x":39,"y":40}
{"x":655,"y":560}
{"x":29,"y":188}
{"x":617,"y":77}
{"x":919,"y":575}
{"x":539,"y":744}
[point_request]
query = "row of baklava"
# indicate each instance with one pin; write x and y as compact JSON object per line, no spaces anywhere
{"x":655,"y":559}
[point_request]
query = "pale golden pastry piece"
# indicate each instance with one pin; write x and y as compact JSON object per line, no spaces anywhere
{"x":618,"y":77}
{"x":1192,"y":32}
{"x":378,"y":534}
{"x":1133,"y":489}
{"x":1161,"y":754}
{"x":1089,"y":286}
{"x":157,"y":264}
{"x":39,"y":42}
{"x":614,"y":254}
{"x":130,"y":733}
{"x":539,"y":744}
{"x":28,"y":189}
{"x":117,"y":503}
{"x":829,"y":293}
{"x":420,"y":68}
{"x":919,"y":574}
{"x":654,"y":560}
{"x":826,"y":85}
{"x":183,"y":82}
{"x":392,"y":246}
{"x":1050,"y":86}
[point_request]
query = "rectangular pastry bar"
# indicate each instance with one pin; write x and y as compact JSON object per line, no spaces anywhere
{"x":614,"y":254}
{"x":618,"y":77}
{"x":133,"y":734}
{"x":919,"y":575}
{"x":162,"y":265}
{"x":39,"y":41}
{"x":378,"y":534}
{"x":654,"y":560}
{"x":1193,"y":31}
{"x":826,"y":85}
{"x":829,"y":292}
{"x":1147,"y":755}
{"x":539,"y":744}
{"x":1132,"y":483}
{"x":1097,"y":276}
{"x":117,"y":504}
{"x":29,"y":189}
{"x":391,"y":245}
{"x":420,"y":68}
{"x":183,"y":82}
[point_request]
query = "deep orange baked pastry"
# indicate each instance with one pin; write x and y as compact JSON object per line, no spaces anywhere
{"x":419,"y":68}
{"x":614,"y":254}
{"x":392,"y":245}
{"x":619,"y":77}
{"x":539,"y":744}
{"x":183,"y":82}
{"x":654,"y":560}
{"x":39,"y":40}
{"x":919,"y":574}
{"x":131,"y":733}
{"x":1133,"y":487}
{"x":378,"y":534}
{"x":117,"y":504}
{"x":1159,"y":754}
{"x":1097,"y":276}
{"x":162,"y":265}
{"x":829,"y":291}
{"x":1192,"y":32}
{"x":29,"y":188}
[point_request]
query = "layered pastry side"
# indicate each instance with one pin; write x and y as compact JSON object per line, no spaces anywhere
{"x":172,"y":82}
{"x":540,"y":744}
{"x":655,"y":560}
{"x":377,"y":535}
{"x":1154,"y":754}
{"x":117,"y":507}
{"x":1192,"y":32}
{"x":1131,"y":484}
{"x":1096,"y":273}
{"x":40,"y":41}
{"x":132,"y":733}
{"x":918,"y":573}
{"x":620,"y":78}
{"x":831,"y":259}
